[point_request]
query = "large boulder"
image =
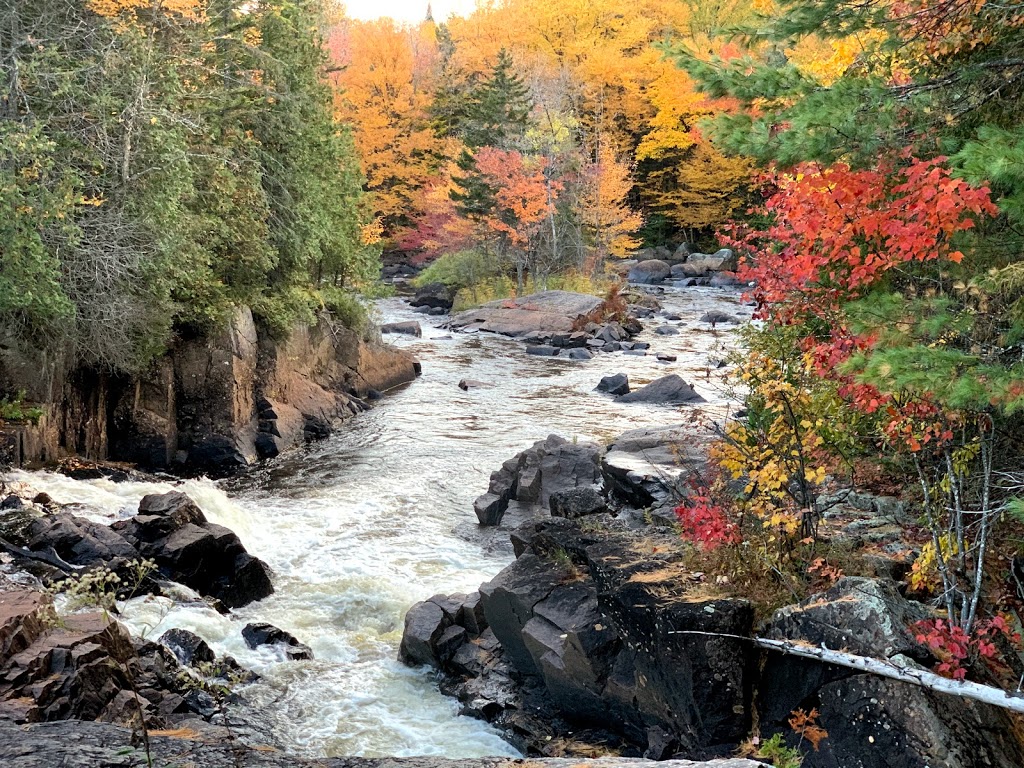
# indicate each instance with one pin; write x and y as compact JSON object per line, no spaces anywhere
{"x":79,"y":541}
{"x":577,"y":502}
{"x":668,"y":390}
{"x":617,"y":384}
{"x":532,"y":476}
{"x":702,"y":264}
{"x":171,"y":530}
{"x":188,"y":648}
{"x":646,"y":467}
{"x":906,"y":726}
{"x":434,"y":295}
{"x":649,"y":272}
{"x":548,"y":312}
{"x":407,"y":328}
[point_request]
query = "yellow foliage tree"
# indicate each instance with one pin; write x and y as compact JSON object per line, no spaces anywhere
{"x":611,"y":222}
{"x":385,"y":89}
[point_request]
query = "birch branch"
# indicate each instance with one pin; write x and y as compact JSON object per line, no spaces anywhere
{"x":986,"y":694}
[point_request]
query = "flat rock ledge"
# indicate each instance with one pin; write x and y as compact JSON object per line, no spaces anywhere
{"x":79,"y":744}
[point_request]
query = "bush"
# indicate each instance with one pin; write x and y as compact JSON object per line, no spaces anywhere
{"x":16,"y":409}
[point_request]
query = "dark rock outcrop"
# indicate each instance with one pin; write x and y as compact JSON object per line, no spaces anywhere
{"x":617,"y":384}
{"x":83,"y":666}
{"x":171,"y":530}
{"x":668,"y":390}
{"x":577,"y":502}
{"x":649,"y":272}
{"x":214,"y":403}
{"x":551,"y":465}
{"x":76,"y":744}
{"x":261,"y":633}
{"x":189,"y":648}
{"x":434,"y":295}
{"x":650,"y":467}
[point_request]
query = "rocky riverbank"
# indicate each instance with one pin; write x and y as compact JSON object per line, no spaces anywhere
{"x":212,"y":404}
{"x":76,"y":744}
{"x":599,"y":636}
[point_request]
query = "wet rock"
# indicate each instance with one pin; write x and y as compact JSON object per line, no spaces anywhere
{"x":408,"y":328}
{"x":542,"y":350}
{"x":664,"y":357}
{"x":434,"y":295}
{"x":467,"y":384}
{"x":577,"y":502}
{"x":716,"y":317}
{"x":12,"y":502}
{"x":188,"y":647}
{"x":261,"y":633}
{"x":425,"y":623}
{"x":577,"y":354}
{"x":533,"y":475}
{"x":210,"y":559}
{"x":724,"y":281}
{"x":666,"y":330}
{"x":669,"y":389}
{"x":618,"y":384}
{"x":471,"y":615}
{"x":649,"y":272}
{"x":79,"y":541}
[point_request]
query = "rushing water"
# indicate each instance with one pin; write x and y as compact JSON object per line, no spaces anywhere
{"x":360,"y":526}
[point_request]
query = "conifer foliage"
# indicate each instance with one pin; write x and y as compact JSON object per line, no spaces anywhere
{"x":161,"y":164}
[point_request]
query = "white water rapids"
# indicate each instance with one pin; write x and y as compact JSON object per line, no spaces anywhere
{"x":360,"y":526}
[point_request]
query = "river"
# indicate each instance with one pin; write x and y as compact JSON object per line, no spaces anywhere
{"x":378,"y":516}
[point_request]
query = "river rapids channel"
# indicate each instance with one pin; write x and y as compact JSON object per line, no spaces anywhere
{"x":362,"y":525}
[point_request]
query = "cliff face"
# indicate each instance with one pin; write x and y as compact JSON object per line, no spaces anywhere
{"x":213,"y":404}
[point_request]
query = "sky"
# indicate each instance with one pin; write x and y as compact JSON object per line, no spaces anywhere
{"x":407,"y":10}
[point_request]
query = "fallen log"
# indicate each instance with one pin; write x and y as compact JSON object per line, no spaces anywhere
{"x":904,"y":672}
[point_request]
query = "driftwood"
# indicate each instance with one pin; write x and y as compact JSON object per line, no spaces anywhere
{"x":50,"y":557}
{"x":986,"y":694}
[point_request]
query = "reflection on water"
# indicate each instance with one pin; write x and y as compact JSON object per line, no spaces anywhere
{"x":360,"y":526}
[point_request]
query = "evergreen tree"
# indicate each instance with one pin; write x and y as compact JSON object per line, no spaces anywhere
{"x":498,"y":109}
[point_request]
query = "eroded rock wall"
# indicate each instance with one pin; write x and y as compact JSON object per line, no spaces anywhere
{"x":212,"y":404}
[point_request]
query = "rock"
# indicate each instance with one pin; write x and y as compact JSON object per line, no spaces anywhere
{"x":210,"y":559}
{"x":471,"y":615}
{"x":577,"y":502}
{"x":490,"y":508}
{"x":533,"y":475}
{"x":578,"y":354}
{"x":437,"y":311}
{"x":79,"y":541}
{"x":906,"y":726}
{"x":467,"y":384}
{"x":635,"y":352}
{"x":669,"y":389}
{"x":102,"y":745}
{"x":617,"y":384}
{"x":408,"y":328}
{"x":188,"y":647}
{"x":649,"y":272}
{"x":664,"y":357}
{"x":650,"y":467}
{"x":666,"y":330}
{"x":641,"y":345}
{"x":724,"y":281}
{"x":261,"y":633}
{"x":434,"y":296}
{"x":715,"y":317}
{"x":701,"y":264}
{"x":12,"y":502}
{"x":542,"y":350}
{"x":549,"y":312}
{"x":425,"y":622}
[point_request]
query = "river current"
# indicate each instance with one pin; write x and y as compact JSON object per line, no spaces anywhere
{"x":360,"y":526}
